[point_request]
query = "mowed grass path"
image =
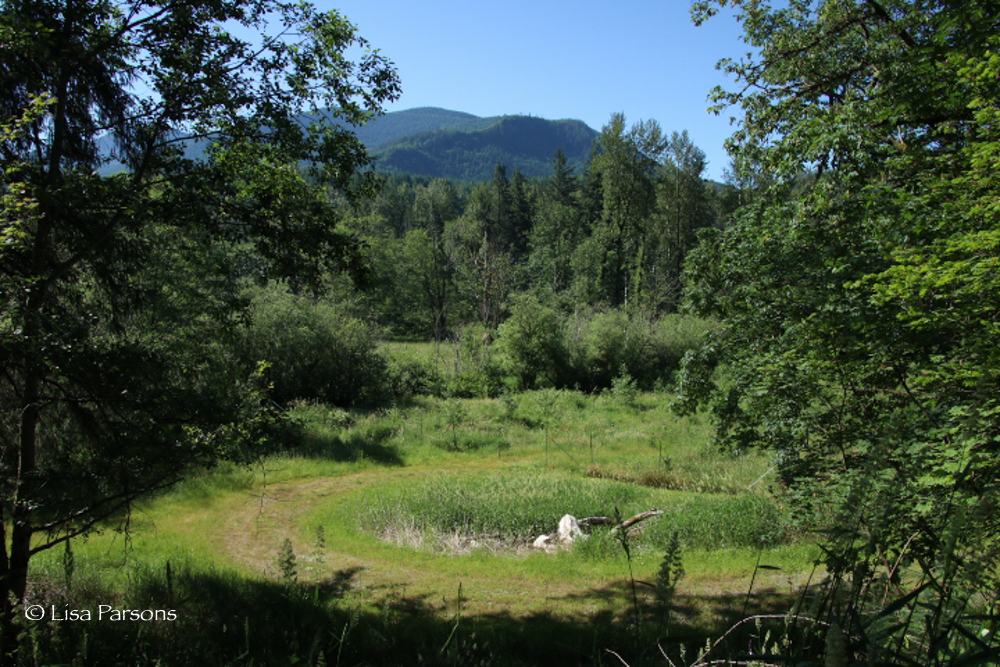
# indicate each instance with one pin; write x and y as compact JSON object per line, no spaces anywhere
{"x":317,"y":497}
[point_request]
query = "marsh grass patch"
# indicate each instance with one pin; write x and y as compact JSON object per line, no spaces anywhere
{"x":512,"y":506}
{"x":503,"y":512}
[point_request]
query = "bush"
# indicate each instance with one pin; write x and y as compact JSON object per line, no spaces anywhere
{"x":414,"y":378}
{"x":675,"y":335}
{"x":314,"y":351}
{"x":477,"y":371}
{"x":531,"y":341}
{"x":612,"y":344}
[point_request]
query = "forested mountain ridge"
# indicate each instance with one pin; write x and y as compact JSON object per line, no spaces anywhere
{"x":470,"y":150}
{"x":392,"y":127}
{"x":440,"y":143}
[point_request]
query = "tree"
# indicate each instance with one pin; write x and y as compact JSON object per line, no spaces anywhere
{"x":297,"y":335}
{"x":118,"y":290}
{"x":557,"y":228}
{"x":425,"y":273}
{"x":858,"y":295}
{"x":522,"y":214}
{"x":436,"y":204}
{"x":531,"y":341}
{"x":626,"y":161}
{"x":684,"y":207}
{"x":562,"y":185}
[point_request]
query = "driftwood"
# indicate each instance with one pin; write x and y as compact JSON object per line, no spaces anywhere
{"x":610,"y":521}
{"x":569,"y":528}
{"x":631,"y":521}
{"x":597,"y":521}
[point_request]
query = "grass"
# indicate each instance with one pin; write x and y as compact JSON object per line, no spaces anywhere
{"x":516,"y":505}
{"x":460,"y":487}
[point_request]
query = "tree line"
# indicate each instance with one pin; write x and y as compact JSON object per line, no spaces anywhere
{"x":446,"y":254}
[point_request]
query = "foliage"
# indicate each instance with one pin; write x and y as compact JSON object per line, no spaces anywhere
{"x":469,"y":151}
{"x":626,"y":162}
{"x":613,"y":232}
{"x":531,"y":340}
{"x":624,"y":390}
{"x":857,"y":293}
{"x":603,"y":345}
{"x":287,"y":563}
{"x":120,"y":293}
{"x":313,"y":351}
{"x":671,"y":571}
{"x":477,"y":369}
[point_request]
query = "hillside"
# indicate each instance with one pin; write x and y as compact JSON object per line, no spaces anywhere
{"x":434,"y":142}
{"x":393,"y":127}
{"x":470,"y":150}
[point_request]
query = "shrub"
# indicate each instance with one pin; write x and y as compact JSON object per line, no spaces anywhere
{"x":531,"y":341}
{"x":314,"y":351}
{"x":414,"y":378}
{"x":610,"y":344}
{"x":477,"y":371}
{"x":675,"y":335}
{"x":601,"y":344}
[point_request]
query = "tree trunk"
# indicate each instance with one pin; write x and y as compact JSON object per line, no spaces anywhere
{"x":14,"y":562}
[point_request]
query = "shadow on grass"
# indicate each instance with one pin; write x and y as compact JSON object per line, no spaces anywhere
{"x":365,"y":444}
{"x":230,"y":619}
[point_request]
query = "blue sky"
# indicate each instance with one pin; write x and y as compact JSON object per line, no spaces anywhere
{"x":582,"y":59}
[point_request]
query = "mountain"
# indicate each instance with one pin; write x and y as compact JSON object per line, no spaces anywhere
{"x":466,"y":147}
{"x":441,"y":143}
{"x":401,"y":124}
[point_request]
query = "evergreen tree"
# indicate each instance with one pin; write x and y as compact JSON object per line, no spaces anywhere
{"x":557,"y":229}
{"x":562,"y":185}
{"x":626,"y":161}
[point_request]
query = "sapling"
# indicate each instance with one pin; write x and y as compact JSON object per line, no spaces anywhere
{"x":286,"y":562}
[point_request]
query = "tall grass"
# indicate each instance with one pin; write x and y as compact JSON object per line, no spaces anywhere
{"x":517,"y":505}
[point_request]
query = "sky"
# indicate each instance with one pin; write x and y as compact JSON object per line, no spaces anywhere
{"x":583,"y":59}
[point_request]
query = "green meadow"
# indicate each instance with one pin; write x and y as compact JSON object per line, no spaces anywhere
{"x":404,"y":536}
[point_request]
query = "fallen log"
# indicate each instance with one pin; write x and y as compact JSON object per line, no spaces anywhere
{"x":609,"y":521}
{"x":596,"y":520}
{"x":631,"y":521}
{"x":569,"y":528}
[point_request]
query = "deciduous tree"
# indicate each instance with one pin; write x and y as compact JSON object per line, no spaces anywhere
{"x":118,"y":290}
{"x":626,"y":160}
{"x":859,"y":301}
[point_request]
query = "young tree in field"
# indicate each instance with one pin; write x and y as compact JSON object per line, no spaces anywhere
{"x":860,"y":304}
{"x":118,"y":290}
